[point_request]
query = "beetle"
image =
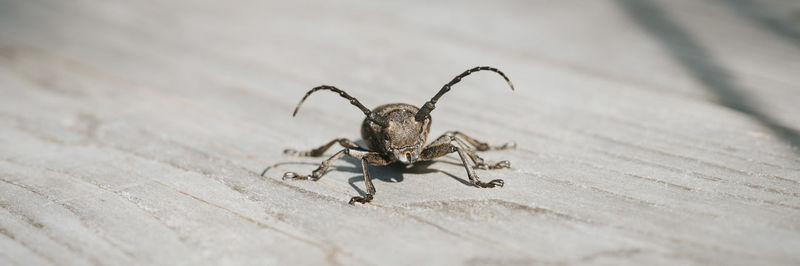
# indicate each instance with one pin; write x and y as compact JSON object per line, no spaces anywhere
{"x":397,"y":133}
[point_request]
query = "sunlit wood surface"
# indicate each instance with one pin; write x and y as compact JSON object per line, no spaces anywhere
{"x":649,"y":132}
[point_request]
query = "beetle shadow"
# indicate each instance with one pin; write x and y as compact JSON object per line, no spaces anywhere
{"x":424,"y":168}
{"x":361,"y":143}
{"x":397,"y":170}
{"x":392,"y":173}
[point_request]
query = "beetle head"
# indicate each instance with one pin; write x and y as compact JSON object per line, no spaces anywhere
{"x":404,"y":137}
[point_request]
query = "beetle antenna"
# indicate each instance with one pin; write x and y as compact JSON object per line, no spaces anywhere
{"x":352,"y":100}
{"x":430,"y":105}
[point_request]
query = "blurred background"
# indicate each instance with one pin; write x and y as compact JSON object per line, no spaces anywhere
{"x":640,"y":119}
{"x":739,"y":54}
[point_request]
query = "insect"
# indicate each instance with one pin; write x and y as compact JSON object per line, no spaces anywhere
{"x":397,"y":133}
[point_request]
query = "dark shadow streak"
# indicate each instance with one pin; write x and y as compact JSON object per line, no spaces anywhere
{"x":417,"y":168}
{"x":392,"y":173}
{"x":702,"y":65}
{"x":352,"y":181}
{"x":766,"y":19}
{"x":425,"y":168}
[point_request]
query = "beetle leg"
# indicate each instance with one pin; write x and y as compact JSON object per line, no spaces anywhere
{"x":443,"y":146}
{"x":368,"y":158}
{"x":480,"y":162}
{"x":477,"y":160}
{"x":319,"y":151}
{"x":316,"y":174}
{"x":480,"y":145}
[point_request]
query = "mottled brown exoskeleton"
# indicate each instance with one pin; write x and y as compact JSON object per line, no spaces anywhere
{"x":397,"y":133}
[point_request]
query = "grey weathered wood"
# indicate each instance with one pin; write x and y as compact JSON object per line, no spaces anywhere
{"x":650,"y":132}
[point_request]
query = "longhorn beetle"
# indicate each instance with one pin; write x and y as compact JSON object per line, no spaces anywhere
{"x":396,"y":133}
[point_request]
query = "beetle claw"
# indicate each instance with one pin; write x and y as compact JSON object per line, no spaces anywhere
{"x":507,"y":145}
{"x":494,"y":165}
{"x":491,"y":184}
{"x":500,"y":165}
{"x":291,"y":152}
{"x":294,"y":176}
{"x":360,"y":199}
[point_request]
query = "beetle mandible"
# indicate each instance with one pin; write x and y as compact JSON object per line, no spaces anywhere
{"x":397,"y":133}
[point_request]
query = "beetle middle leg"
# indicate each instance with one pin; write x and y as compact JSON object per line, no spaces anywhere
{"x":443,"y":146}
{"x":321,"y":149}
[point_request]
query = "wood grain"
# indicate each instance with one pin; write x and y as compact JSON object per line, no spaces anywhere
{"x":649,"y":132}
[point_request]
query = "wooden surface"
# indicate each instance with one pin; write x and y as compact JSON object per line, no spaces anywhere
{"x":650,"y":132}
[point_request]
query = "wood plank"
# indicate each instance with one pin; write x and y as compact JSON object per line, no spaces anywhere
{"x":649,"y":132}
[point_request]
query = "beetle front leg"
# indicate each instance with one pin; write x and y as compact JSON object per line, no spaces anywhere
{"x":367,"y":183}
{"x":443,"y":146}
{"x":368,"y":158}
